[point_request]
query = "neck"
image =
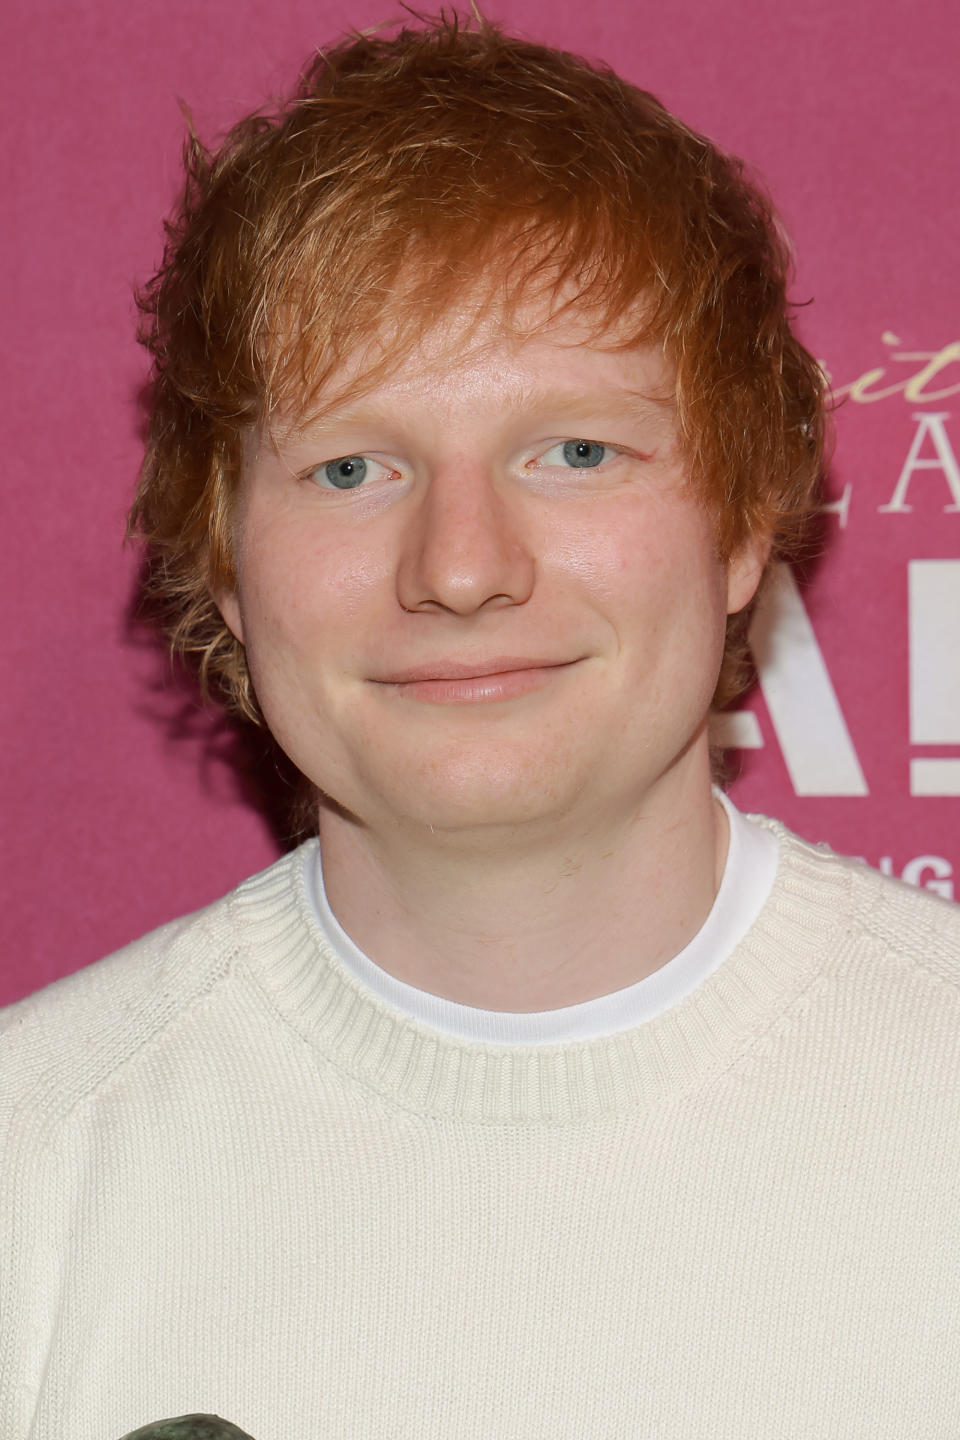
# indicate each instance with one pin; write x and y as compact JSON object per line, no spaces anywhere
{"x":523,"y":923}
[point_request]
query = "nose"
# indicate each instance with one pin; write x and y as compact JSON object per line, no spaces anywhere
{"x":464,"y":547}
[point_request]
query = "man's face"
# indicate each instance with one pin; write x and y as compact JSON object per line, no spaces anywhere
{"x":482,"y":594}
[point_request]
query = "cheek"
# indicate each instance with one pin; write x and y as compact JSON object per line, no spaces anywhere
{"x":298,"y":583}
{"x":649,"y":559}
{"x":304,"y":600}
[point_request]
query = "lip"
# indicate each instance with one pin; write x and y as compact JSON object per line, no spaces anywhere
{"x":469,"y":670}
{"x":455,"y":682}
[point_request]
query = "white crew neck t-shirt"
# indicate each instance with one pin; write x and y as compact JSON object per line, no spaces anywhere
{"x":752,"y":858}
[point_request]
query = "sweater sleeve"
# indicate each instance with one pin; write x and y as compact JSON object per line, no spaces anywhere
{"x":58,"y":1047}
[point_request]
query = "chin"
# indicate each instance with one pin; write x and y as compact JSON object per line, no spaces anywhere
{"x":492,"y":791}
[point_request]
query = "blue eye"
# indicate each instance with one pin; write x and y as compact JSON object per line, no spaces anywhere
{"x":346,"y":473}
{"x":583,"y":454}
{"x":574,"y":455}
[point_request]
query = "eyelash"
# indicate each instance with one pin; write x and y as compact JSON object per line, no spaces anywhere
{"x":537,"y":463}
{"x":326,"y":466}
{"x":564,"y":445}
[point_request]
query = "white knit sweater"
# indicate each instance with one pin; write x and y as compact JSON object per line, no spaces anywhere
{"x":234,"y":1181}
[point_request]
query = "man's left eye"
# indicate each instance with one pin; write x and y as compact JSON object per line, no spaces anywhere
{"x":577,"y":454}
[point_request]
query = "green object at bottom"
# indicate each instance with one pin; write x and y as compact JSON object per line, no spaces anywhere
{"x":190,"y":1427}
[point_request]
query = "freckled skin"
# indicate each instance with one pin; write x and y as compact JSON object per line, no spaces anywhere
{"x":463,"y":543}
{"x":189,"y":1427}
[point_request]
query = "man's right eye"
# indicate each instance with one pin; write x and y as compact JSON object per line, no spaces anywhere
{"x":349,"y":472}
{"x":344,"y":474}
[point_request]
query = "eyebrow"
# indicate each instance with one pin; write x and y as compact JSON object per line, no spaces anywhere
{"x":608,"y":403}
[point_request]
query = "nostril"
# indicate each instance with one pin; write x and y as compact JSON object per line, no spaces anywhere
{"x":482,"y":560}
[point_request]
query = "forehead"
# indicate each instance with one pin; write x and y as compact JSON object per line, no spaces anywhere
{"x":486,"y":351}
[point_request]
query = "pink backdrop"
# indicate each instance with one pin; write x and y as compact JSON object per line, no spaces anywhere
{"x":117,"y":815}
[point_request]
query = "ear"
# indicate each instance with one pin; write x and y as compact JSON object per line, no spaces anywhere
{"x":228,"y":603}
{"x":744,"y":571}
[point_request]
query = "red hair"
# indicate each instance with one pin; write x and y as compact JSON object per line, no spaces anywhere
{"x":404,"y":169}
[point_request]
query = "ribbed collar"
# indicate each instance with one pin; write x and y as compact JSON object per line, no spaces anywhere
{"x":285,"y":950}
{"x":751,"y":864}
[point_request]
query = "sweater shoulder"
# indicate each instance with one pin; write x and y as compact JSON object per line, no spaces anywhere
{"x":906,"y":926}
{"x":62,"y":1042}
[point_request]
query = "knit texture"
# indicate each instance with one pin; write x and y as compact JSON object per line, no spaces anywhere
{"x":236,"y":1182}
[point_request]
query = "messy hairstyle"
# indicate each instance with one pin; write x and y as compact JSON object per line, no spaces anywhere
{"x":405,"y":169}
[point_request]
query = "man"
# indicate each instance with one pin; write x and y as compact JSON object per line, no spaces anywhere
{"x":544,"y":1094}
